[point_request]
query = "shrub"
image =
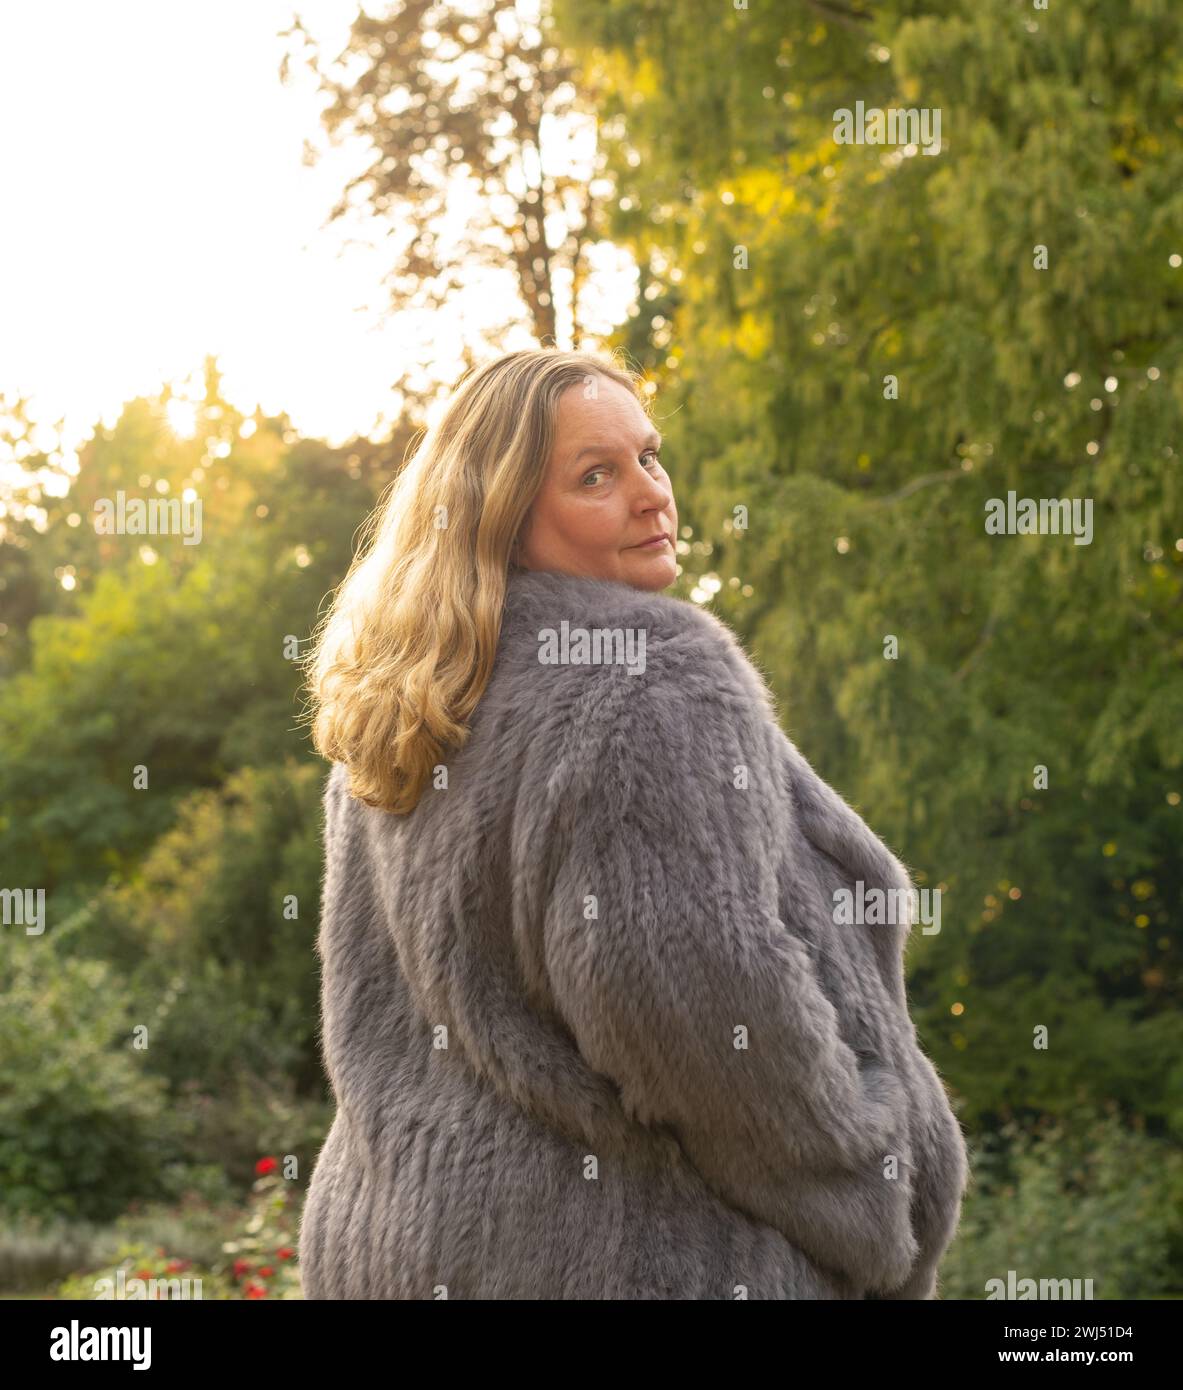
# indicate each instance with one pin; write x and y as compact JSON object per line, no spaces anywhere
{"x":83,"y":1126}
{"x":244,"y":1254}
{"x":1084,"y":1197}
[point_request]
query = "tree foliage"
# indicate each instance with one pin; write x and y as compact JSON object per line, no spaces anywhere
{"x":469,"y":107}
{"x":801,"y":275}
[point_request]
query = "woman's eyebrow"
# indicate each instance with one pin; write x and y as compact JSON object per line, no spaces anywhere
{"x":652,"y":440}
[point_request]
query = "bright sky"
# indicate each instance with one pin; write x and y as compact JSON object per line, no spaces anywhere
{"x":156,"y":209}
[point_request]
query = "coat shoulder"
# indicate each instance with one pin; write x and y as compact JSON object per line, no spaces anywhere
{"x":334,"y":798}
{"x":605,"y":732}
{"x":667,"y":642}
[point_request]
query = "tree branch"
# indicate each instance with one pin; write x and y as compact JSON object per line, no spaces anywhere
{"x":840,"y":14}
{"x":979,"y":647}
{"x":916,"y":484}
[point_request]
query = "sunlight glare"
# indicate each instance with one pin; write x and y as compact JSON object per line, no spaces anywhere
{"x":182,"y":418}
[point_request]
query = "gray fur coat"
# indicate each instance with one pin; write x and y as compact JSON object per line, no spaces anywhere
{"x":590,"y":1025}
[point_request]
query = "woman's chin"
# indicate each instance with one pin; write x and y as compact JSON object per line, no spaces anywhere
{"x":656,"y":571}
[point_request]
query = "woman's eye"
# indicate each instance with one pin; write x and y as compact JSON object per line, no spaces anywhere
{"x":648,"y":454}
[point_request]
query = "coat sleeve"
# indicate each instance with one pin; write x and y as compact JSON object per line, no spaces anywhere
{"x":941,"y":1174}
{"x":679,"y":980}
{"x":938,"y":1159}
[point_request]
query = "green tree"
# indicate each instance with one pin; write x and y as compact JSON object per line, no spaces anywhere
{"x":861,"y":350}
{"x":179,"y":659}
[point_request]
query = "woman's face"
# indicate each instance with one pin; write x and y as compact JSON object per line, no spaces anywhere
{"x":604,"y":494}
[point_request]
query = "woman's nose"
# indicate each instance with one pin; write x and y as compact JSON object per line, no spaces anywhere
{"x":655,"y":492}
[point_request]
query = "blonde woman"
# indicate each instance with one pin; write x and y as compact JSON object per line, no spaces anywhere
{"x":592,"y":1025}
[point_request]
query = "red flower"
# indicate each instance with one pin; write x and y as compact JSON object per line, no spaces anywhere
{"x":175,"y":1266}
{"x":266,"y":1271}
{"x":255,"y":1291}
{"x":285,"y":1253}
{"x":144,"y":1274}
{"x":240,"y":1267}
{"x":266,"y":1165}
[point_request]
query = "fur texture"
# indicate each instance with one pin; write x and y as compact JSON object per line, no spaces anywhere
{"x":595,"y":920}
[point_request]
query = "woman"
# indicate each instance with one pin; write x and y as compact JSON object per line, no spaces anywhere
{"x":591,"y":1026}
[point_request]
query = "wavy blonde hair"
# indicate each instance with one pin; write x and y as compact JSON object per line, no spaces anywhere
{"x":407,"y":648}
